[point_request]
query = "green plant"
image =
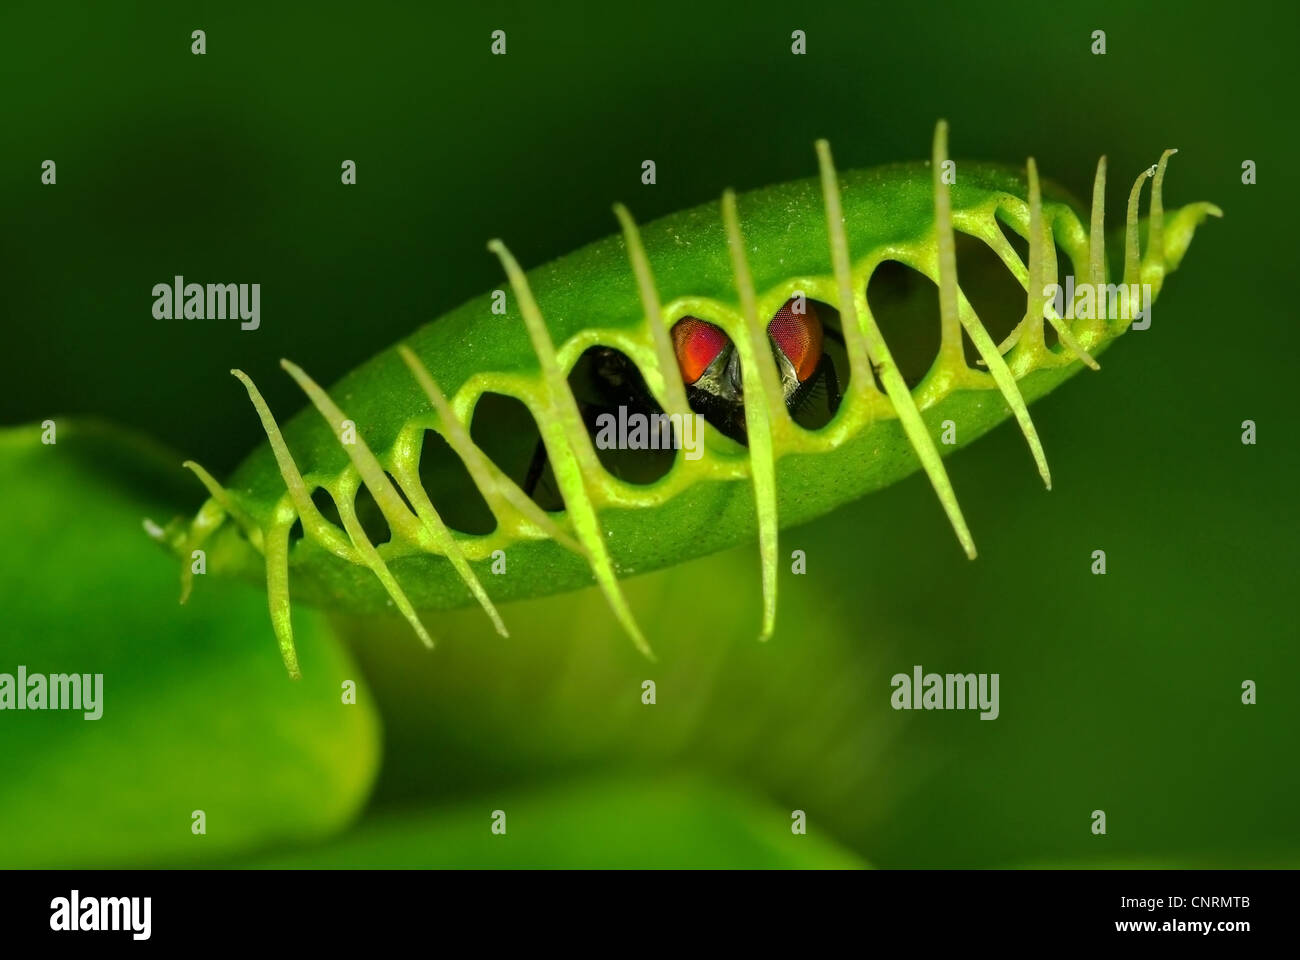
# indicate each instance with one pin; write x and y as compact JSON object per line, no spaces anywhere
{"x":820,"y":239}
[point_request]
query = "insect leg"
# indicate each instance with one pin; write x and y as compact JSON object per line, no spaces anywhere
{"x":827,"y":372}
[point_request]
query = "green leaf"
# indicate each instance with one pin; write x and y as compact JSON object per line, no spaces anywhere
{"x":594,"y":824}
{"x":197,"y":713}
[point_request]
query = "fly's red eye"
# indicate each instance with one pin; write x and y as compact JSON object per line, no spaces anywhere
{"x":697,"y":344}
{"x":799,"y":337}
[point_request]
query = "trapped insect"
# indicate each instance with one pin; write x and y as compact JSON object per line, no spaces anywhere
{"x":709,"y":364}
{"x":722,"y":313}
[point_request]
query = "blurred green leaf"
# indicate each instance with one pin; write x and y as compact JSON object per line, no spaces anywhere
{"x":599,"y":824}
{"x":197,"y":711}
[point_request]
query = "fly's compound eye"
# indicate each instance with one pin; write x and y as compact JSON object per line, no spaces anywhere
{"x":697,"y":344}
{"x":798,"y":336}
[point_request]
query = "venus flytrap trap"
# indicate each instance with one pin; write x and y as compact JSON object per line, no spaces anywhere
{"x":817,"y":240}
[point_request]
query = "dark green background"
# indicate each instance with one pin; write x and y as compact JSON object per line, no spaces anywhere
{"x":1118,"y":692}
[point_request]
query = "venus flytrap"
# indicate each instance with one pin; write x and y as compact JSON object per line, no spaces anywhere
{"x":820,"y":238}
